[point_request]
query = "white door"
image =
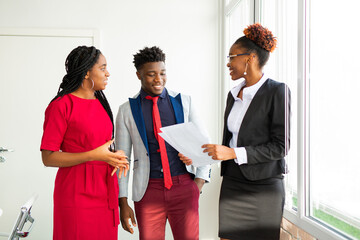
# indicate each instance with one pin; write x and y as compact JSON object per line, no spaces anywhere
{"x":31,"y":69}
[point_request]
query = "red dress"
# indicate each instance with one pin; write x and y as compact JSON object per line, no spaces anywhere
{"x":85,"y":195}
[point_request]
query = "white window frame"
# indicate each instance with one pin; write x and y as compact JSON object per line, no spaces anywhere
{"x":301,"y":218}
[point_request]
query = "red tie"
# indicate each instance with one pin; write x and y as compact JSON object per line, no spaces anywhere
{"x":163,"y":153}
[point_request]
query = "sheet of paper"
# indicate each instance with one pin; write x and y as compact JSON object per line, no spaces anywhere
{"x":187,"y":138}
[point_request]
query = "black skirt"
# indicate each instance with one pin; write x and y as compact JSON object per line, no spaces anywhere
{"x":251,"y":210}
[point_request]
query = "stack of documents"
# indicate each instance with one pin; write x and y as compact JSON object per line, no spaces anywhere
{"x":187,"y":138}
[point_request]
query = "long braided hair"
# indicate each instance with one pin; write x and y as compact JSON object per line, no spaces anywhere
{"x":77,"y":64}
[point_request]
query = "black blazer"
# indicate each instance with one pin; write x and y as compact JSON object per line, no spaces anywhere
{"x":264,"y":133}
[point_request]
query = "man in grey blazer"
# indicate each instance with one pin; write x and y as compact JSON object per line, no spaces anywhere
{"x":155,"y":202}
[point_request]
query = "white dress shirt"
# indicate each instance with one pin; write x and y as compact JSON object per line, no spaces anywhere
{"x":237,"y":114}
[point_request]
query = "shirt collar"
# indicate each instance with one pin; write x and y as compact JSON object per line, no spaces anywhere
{"x":143,"y":94}
{"x":248,"y":92}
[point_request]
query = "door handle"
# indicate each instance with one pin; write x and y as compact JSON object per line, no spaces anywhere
{"x":5,"y":150}
{"x":3,"y":159}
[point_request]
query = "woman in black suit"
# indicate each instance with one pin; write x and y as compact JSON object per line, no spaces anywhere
{"x":255,"y":142}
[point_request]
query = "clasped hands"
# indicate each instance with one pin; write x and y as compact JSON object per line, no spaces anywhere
{"x":217,"y":152}
{"x":117,"y":159}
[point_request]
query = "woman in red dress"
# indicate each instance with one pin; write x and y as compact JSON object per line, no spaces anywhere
{"x":77,"y":138}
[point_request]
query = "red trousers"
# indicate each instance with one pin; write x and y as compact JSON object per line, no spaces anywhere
{"x":180,"y":205}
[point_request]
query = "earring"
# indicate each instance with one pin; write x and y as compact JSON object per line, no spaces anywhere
{"x":93,"y":84}
{"x":245,"y":69}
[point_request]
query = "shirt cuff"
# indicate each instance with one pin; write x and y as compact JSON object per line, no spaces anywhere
{"x":241,"y":156}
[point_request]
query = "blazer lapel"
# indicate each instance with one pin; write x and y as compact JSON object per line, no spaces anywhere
{"x":229,"y":104}
{"x":178,"y":108}
{"x":253,"y":107}
{"x":135,"y":105}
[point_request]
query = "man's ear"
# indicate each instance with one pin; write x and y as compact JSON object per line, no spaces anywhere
{"x":138,"y":75}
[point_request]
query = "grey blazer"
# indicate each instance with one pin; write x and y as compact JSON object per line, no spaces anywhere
{"x":130,"y":133}
{"x":264,"y":133}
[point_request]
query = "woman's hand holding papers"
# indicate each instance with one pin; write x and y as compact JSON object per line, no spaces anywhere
{"x":219,"y":152}
{"x":215,"y":151}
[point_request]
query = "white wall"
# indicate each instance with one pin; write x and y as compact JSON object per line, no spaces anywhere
{"x":187,"y":30}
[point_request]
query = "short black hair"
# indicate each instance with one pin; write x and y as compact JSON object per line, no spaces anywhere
{"x":153,"y":54}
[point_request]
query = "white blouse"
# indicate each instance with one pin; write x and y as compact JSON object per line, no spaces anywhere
{"x":237,"y":114}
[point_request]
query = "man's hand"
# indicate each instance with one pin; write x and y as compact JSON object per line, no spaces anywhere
{"x":199,"y":182}
{"x":185,"y":160}
{"x":126,"y":213}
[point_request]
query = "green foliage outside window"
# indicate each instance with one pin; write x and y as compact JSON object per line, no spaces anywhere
{"x":333,"y":221}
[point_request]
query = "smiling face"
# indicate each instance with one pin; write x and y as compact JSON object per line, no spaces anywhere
{"x":153,"y":77}
{"x":237,"y":65}
{"x":99,"y":74}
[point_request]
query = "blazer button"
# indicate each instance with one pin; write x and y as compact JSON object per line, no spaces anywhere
{"x":161,"y":170}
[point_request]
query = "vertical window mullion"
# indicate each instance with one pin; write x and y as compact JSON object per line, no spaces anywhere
{"x":306,"y":84}
{"x":258,"y":11}
{"x":302,"y":122}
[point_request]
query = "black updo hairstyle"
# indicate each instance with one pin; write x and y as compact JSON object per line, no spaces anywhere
{"x":153,"y":54}
{"x":77,"y":64}
{"x":258,"y":40}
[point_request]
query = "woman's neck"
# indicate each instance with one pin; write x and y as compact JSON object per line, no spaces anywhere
{"x":84,"y":93}
{"x":252,"y":78}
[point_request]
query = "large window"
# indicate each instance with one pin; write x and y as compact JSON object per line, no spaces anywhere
{"x":317,"y":57}
{"x":334,"y":129}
